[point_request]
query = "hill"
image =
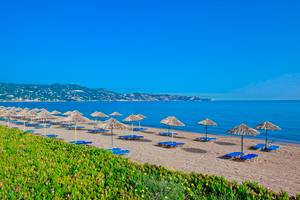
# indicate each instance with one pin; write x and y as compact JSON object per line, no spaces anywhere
{"x":72,"y":92}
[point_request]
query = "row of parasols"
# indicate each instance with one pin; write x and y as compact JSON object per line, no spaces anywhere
{"x":43,"y":115}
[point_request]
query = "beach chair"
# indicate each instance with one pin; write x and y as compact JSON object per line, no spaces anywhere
{"x":39,"y":126}
{"x":119,"y":151}
{"x":81,"y":142}
{"x":258,"y":147}
{"x":170,"y":144}
{"x":131,"y":137}
{"x":19,"y":123}
{"x":232,"y":155}
{"x":205,"y":139}
{"x":97,"y":131}
{"x":248,"y":157}
{"x":77,"y":127}
{"x":51,"y":136}
{"x":167,"y":134}
{"x":272,"y":148}
{"x":29,"y":131}
{"x":31,"y":124}
{"x":139,"y":129}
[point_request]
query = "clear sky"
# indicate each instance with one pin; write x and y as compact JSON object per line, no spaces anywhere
{"x":189,"y":47}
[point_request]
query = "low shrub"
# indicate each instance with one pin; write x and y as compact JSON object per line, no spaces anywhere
{"x":32,"y":167}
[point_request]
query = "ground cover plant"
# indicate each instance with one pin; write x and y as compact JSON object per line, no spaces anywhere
{"x":33,"y":167}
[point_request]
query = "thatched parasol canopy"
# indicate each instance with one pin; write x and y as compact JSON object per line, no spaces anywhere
{"x":131,"y":118}
{"x":243,"y":129}
{"x":112,"y":124}
{"x":72,"y":112}
{"x":44,"y":116}
{"x":43,"y":110}
{"x":99,"y":114}
{"x":36,"y":110}
{"x":77,"y":118}
{"x":207,"y":122}
{"x":55,"y":112}
{"x":141,"y":117}
{"x":172,"y":121}
{"x":268,"y":126}
{"x":115,"y":114}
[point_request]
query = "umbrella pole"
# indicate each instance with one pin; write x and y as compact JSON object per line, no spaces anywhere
{"x":75,"y":131}
{"x":44,"y":126}
{"x":8,"y":122}
{"x":266,"y":143}
{"x":112,"y":139}
{"x":172,"y":137}
{"x":242,"y":145}
{"x":206,"y":132}
{"x":139,"y":124}
{"x":132,"y":127}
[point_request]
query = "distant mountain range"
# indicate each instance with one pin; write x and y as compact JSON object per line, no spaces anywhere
{"x":73,"y":92}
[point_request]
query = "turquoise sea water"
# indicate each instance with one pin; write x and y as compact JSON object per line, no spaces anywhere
{"x":227,"y":114}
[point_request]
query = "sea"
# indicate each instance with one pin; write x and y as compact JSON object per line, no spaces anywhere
{"x":226,"y":114}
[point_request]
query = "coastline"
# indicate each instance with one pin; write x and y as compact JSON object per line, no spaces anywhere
{"x":204,"y":158}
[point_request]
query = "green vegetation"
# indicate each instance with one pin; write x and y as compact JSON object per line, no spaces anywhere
{"x":32,"y":167}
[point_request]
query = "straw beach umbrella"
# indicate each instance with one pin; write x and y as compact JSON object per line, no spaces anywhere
{"x":68,"y":113}
{"x":243,"y":130}
{"x":99,"y":114}
{"x":112,"y":124}
{"x":207,"y":122}
{"x":132,"y":118}
{"x":55,"y":112}
{"x":267,"y":126}
{"x":171,"y":121}
{"x":115,"y":114}
{"x":76,"y":118}
{"x":44,"y":116}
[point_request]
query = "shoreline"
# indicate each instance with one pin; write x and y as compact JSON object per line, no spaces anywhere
{"x":203,"y":157}
{"x":225,"y":135}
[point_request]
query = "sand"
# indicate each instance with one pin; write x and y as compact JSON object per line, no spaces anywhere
{"x":278,"y":170}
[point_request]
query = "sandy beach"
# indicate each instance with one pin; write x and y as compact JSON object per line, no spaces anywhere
{"x":278,"y":170}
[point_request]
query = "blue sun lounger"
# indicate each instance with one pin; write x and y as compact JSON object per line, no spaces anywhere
{"x":170,"y":144}
{"x":119,"y":151}
{"x":258,"y":147}
{"x":131,"y":137}
{"x":29,"y":131}
{"x":272,"y":148}
{"x":248,"y":157}
{"x":97,"y":131}
{"x":39,"y":126}
{"x":31,"y":124}
{"x":51,"y":136}
{"x":73,"y":127}
{"x":139,"y":129}
{"x":205,"y":139}
{"x":167,"y":134}
{"x":19,"y":123}
{"x":233,"y":155}
{"x":81,"y":142}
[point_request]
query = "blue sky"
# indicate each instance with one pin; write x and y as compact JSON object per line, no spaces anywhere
{"x":189,"y":47}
